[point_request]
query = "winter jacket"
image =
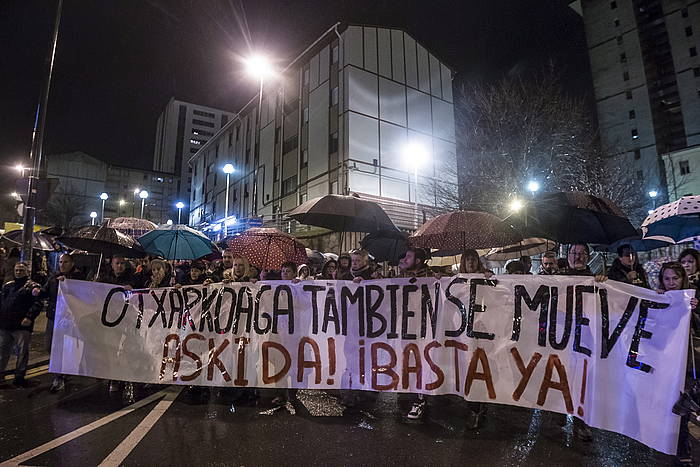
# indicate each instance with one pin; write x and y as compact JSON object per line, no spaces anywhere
{"x":127,"y":278}
{"x":575,"y":272}
{"x":618,"y":272}
{"x":50,"y":289}
{"x":17,"y":303}
{"x":365,"y":273}
{"x":421,"y":271}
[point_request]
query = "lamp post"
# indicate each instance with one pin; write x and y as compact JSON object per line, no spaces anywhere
{"x":228,"y":170}
{"x":143,"y":194}
{"x":416,"y":156}
{"x":103,"y":197}
{"x":93,"y":216}
{"x":257,"y":66}
{"x":179,"y":207}
{"x":133,"y":202}
{"x":653,"y":194}
{"x":121,"y":206}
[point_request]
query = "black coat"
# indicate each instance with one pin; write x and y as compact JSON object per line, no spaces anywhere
{"x":125,"y":279}
{"x":17,"y":303}
{"x":618,"y":272}
{"x":50,"y":289}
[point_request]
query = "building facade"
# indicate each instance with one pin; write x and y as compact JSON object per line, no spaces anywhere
{"x":683,"y":173}
{"x":82,"y":178}
{"x":646,"y":74}
{"x":338,"y":119}
{"x":182,"y":129}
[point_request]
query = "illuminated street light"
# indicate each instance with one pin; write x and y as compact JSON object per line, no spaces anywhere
{"x":653,"y":194}
{"x":516,"y":205}
{"x":143,"y":194}
{"x":258,"y":66}
{"x":416,"y":156}
{"x":179,"y":205}
{"x":103,"y":197}
{"x":533,"y":186}
{"x":93,"y":216}
{"x":20,"y":168}
{"x":169,"y":222}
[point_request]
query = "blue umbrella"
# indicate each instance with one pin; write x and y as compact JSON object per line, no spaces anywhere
{"x":637,"y":243}
{"x":676,"y":222}
{"x":176,"y":242}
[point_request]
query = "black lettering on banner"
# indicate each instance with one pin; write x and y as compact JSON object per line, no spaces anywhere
{"x":474,"y":308}
{"x":580,"y":319}
{"x":641,"y":333}
{"x":243,"y":293}
{"x":568,"y":319}
{"x":609,"y":340}
{"x":393,"y":310}
{"x":278,"y":311}
{"x":217,"y":315}
{"x":348,"y":297}
{"x":160,"y":308}
{"x":541,"y":300}
{"x":407,"y":314}
{"x":105,"y":307}
{"x":175,"y":308}
{"x":205,"y":315}
{"x":371,"y":309}
{"x":314,"y":289}
{"x":187,"y":314}
{"x":460,"y":307}
{"x":265,"y":315}
{"x":427,"y":309}
{"x":330,"y":312}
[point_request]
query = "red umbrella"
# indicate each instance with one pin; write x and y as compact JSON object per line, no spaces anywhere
{"x":267,"y":248}
{"x":461,"y":230}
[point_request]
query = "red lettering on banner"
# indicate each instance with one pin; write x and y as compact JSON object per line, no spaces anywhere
{"x":193,"y":356}
{"x":267,"y":378}
{"x":525,"y":372}
{"x":417,"y":369}
{"x":331,"y":360}
{"x":583,"y":388}
{"x":214,"y":360}
{"x":240,"y":370}
{"x":303,"y":363}
{"x":440,"y":375}
{"x":562,"y":385}
{"x":457,"y":346}
{"x":166,"y":359}
{"x":387,"y":369}
{"x":479,"y":356}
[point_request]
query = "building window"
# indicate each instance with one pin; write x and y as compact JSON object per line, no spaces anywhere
{"x":626,"y":76}
{"x":238,"y":133}
{"x":334,"y":96}
{"x":628,"y":95}
{"x":333,"y":143}
{"x":289,"y":185}
{"x":696,"y":71}
{"x":196,"y":142}
{"x":684,"y":12}
{"x":276,"y":173}
{"x":632,"y":114}
{"x":303,"y":197}
{"x":304,"y":158}
{"x":230,"y":138}
{"x":203,"y":114}
{"x":693,"y":51}
{"x":203,"y":123}
{"x":616,"y":22}
{"x":637,"y":154}
{"x":198,"y":132}
{"x":334,"y":187}
{"x":306,"y":76}
{"x":684,"y":167}
{"x":635,"y":134}
{"x":688,"y":31}
{"x":613,"y":5}
{"x":277,"y":135}
{"x":619,"y":40}
{"x":623,"y":58}
{"x":306,"y":115}
{"x":640,"y":175}
{"x":290,"y":144}
{"x":334,"y":54}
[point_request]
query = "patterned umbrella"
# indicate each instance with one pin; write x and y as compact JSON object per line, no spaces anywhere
{"x":528,"y":247}
{"x":676,"y":222}
{"x":461,"y":230}
{"x":40,"y":240}
{"x":102,"y":240}
{"x":343,"y":214}
{"x":132,"y":225}
{"x":177,"y":242}
{"x":267,"y":248}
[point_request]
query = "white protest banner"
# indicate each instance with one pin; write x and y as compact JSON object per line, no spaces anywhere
{"x":609,"y":353}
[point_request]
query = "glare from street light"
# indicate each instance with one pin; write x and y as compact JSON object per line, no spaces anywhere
{"x":230,"y":221}
{"x":258,"y":66}
{"x":122,"y":202}
{"x":137,"y":191}
{"x":170,"y":222}
{"x":143,"y":194}
{"x":180,"y":205}
{"x":104,"y":196}
{"x":19,"y":168}
{"x":93,"y":214}
{"x":533,"y":186}
{"x":650,"y":211}
{"x":516,"y":205}
{"x":228,"y":169}
{"x":416,"y":154}
{"x":653,"y":194}
{"x":14,"y":194}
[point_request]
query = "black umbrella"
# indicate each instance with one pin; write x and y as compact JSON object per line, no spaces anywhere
{"x":40,"y":240}
{"x":343,"y":214}
{"x":386,"y":245}
{"x":103,"y":240}
{"x":573,"y":217}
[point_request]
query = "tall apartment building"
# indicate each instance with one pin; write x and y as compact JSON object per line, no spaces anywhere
{"x":336,"y":120}
{"x":182,"y":129}
{"x":646,"y":75}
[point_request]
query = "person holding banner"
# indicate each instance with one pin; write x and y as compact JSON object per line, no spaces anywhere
{"x":161,"y":274}
{"x":329,"y":270}
{"x":217,"y":274}
{"x":626,"y":268}
{"x":549,"y":264}
{"x":66,"y":270}
{"x":17,"y":314}
{"x":196,"y":275}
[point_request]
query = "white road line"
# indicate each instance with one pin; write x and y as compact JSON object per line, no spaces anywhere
{"x":120,"y":453}
{"x":54,"y":443}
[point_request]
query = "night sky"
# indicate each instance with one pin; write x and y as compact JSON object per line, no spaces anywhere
{"x":119,"y":61}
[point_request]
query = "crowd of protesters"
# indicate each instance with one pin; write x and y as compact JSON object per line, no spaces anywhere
{"x":26,"y":294}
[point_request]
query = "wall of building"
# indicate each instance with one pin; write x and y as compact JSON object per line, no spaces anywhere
{"x":683,"y":173}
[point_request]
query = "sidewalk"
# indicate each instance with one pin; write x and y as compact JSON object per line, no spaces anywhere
{"x":37,"y":353}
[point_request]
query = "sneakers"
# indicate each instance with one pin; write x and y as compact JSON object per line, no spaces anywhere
{"x":417,"y":411}
{"x":58,"y":384}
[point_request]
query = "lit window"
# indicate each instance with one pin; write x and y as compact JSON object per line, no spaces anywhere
{"x":635,"y":134}
{"x":196,"y":142}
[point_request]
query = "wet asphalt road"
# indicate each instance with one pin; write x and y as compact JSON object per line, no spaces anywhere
{"x":171,"y":425}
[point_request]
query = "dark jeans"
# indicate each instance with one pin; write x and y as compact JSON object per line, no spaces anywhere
{"x":21,"y":340}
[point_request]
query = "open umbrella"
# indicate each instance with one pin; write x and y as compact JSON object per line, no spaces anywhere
{"x":675,"y":222}
{"x":386,"y":245}
{"x":343,"y":214}
{"x":177,"y":242}
{"x":462,"y":230}
{"x":637,"y":243}
{"x":573,"y":217}
{"x":527,"y":247}
{"x":267,"y":248}
{"x":102,"y":240}
{"x":40,"y":240}
{"x":133,"y":226}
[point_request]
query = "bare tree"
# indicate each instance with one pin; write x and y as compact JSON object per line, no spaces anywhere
{"x":523,"y":128}
{"x":64,"y":209}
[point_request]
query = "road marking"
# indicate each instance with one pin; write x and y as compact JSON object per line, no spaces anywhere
{"x":54,"y":443}
{"x":120,"y":453}
{"x":38,"y":371}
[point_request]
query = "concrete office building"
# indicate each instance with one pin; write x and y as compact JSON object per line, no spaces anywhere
{"x":182,"y":129}
{"x":646,"y":75}
{"x":338,"y":120}
{"x":82,"y":178}
{"x":683,"y":172}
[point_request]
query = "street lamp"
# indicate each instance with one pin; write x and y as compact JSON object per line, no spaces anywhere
{"x":533,"y":186}
{"x":93,"y":216}
{"x":179,"y":207}
{"x":133,"y":202}
{"x":516,"y":205}
{"x":653,"y":194}
{"x":143,"y":194}
{"x":228,"y":170}
{"x":103,"y":197}
{"x":20,"y":168}
{"x":169,"y":222}
{"x":258,"y":67}
{"x":416,"y":156}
